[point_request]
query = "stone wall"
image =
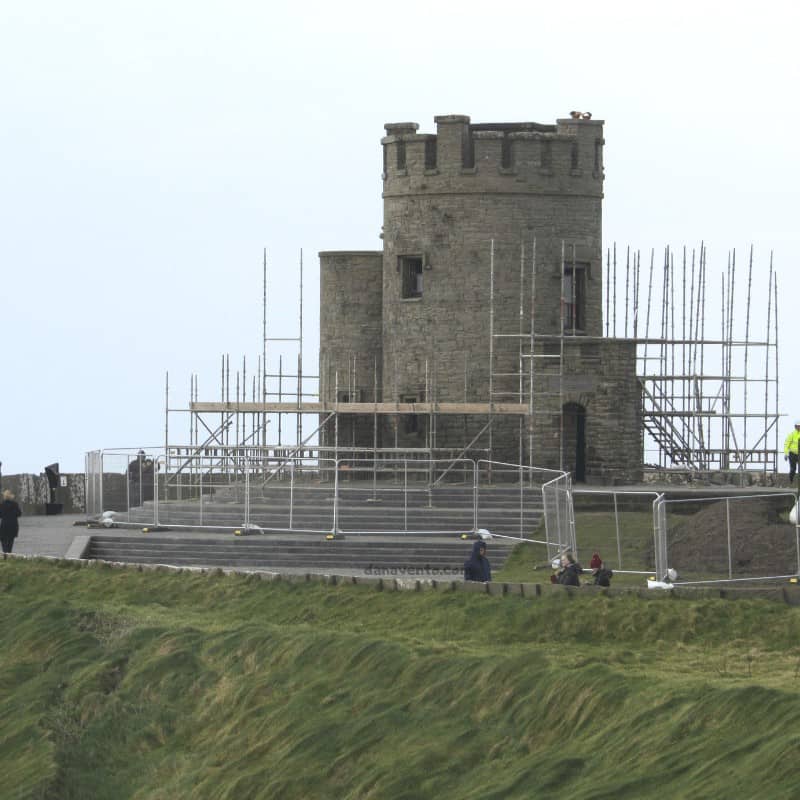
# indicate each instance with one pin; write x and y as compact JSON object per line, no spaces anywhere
{"x":32,"y":492}
{"x":351,"y":347}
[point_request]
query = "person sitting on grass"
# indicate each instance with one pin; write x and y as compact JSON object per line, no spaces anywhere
{"x":477,"y":567}
{"x":602,"y":575}
{"x":570,"y":570}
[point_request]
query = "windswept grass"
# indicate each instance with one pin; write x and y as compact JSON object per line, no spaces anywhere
{"x":121,"y":684}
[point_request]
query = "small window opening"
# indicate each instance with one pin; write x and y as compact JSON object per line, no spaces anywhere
{"x":345,"y":396}
{"x":401,"y":155}
{"x":547,"y":154}
{"x":573,"y":299}
{"x":410,"y":421}
{"x":574,"y":156}
{"x":507,"y":153}
{"x":411,"y":276}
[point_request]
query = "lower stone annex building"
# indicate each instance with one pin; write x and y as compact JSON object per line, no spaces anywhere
{"x":477,"y":329}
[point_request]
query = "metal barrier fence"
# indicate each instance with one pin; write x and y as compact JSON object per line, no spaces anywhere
{"x":744,"y":538}
{"x":94,"y":483}
{"x":620,"y":525}
{"x":271,"y":489}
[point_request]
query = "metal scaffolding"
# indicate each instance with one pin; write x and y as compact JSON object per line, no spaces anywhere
{"x":709,"y":403}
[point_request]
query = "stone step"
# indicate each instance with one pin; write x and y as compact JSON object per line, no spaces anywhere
{"x":313,"y":554}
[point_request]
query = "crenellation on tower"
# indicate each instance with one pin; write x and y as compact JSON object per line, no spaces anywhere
{"x":562,"y":158}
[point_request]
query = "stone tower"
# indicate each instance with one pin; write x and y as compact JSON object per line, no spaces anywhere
{"x":485,"y":226}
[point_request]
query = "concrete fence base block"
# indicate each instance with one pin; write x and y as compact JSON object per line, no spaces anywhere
{"x":531,"y":589}
{"x":366,"y":581}
{"x":557,"y":590}
{"x":602,"y":591}
{"x":791,"y":595}
{"x":476,"y":587}
{"x":497,"y":589}
{"x":694,"y":593}
{"x":301,"y":577}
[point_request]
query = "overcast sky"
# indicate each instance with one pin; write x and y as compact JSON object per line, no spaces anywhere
{"x":149,"y":151}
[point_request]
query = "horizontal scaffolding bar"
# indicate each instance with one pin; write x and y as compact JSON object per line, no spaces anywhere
{"x":512,"y":409}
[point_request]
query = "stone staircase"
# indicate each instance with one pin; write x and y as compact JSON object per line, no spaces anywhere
{"x":396,"y":555}
{"x":446,"y":510}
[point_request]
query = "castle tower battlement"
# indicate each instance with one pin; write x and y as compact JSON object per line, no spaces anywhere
{"x":515,"y":157}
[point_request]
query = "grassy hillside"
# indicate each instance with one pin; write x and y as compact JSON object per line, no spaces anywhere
{"x":121,"y":684}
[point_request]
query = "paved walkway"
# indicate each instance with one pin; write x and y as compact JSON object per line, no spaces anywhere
{"x":48,"y":536}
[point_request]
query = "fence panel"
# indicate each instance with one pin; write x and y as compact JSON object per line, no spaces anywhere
{"x":406,"y":495}
{"x":619,"y":526}
{"x":94,"y":483}
{"x":527,"y":503}
{"x":736,"y":537}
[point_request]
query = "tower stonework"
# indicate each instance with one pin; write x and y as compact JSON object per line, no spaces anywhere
{"x":487,"y":228}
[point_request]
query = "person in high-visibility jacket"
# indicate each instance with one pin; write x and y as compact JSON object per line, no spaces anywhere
{"x":791,"y":447}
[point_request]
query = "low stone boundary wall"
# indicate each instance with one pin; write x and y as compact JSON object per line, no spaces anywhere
{"x":32,"y":492}
{"x":790,"y":595}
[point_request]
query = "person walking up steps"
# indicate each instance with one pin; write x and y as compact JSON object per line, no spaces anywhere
{"x":10,"y":513}
{"x":790,"y":450}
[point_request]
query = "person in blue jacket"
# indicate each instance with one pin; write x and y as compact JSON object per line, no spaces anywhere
{"x":477,"y":567}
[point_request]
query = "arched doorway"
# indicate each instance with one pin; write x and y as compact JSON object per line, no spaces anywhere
{"x":575,"y":441}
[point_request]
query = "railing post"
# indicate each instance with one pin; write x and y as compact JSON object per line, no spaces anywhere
{"x":155,"y":492}
{"x":335,"y":495}
{"x":405,"y":495}
{"x":292,"y":465}
{"x":246,"y":496}
{"x":728,"y":528}
{"x":475,"y":489}
{"x":102,"y":499}
{"x":128,"y":484}
{"x":616,"y":523}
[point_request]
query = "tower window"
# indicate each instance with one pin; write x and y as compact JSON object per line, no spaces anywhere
{"x":410,"y":421}
{"x":573,"y":298}
{"x":546,"y":154}
{"x":506,"y":153}
{"x":411,"y":276}
{"x":401,"y":155}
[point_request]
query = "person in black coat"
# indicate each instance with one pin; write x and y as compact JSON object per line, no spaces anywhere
{"x":602,"y":574}
{"x":477,"y":567}
{"x":570,"y":570}
{"x":9,"y":521}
